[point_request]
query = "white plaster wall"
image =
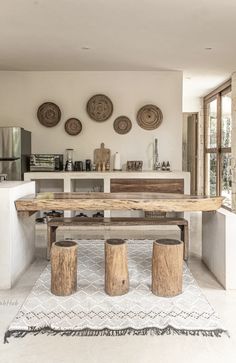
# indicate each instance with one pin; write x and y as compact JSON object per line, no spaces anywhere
{"x":22,"y":92}
{"x":191,"y":103}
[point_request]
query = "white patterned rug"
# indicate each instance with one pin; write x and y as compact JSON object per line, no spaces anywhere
{"x":91,"y":312}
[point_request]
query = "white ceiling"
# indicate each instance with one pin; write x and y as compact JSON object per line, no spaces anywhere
{"x":122,"y":35}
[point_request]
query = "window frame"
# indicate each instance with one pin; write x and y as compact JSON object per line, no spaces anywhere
{"x":215,"y":95}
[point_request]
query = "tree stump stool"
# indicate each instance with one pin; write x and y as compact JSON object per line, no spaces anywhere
{"x":64,"y":268}
{"x":167,"y":267}
{"x":116,"y":267}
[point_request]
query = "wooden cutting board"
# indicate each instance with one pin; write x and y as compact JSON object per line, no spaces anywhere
{"x":102,"y":155}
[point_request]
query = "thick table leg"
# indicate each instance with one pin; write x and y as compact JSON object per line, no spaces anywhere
{"x":51,"y":238}
{"x":185,"y":239}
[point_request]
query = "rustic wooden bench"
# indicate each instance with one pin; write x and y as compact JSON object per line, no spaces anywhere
{"x":54,"y":223}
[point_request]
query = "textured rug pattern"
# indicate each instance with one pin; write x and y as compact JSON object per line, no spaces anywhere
{"x":91,"y":311}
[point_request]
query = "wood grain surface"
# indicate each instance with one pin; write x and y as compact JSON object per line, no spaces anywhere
{"x":120,"y":221}
{"x":167,"y":267}
{"x":147,"y":185}
{"x":102,"y":155}
{"x":64,"y":268}
{"x":116,"y":267}
{"x":118,"y":201}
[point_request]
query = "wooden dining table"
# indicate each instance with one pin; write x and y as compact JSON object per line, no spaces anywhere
{"x":151,"y":202}
{"x":166,"y":202}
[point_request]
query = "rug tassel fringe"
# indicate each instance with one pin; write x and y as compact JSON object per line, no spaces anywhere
{"x":120,"y":332}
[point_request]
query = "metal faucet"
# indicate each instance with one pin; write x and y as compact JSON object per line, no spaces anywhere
{"x":156,"y":164}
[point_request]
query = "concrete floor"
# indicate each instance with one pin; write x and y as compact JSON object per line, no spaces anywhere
{"x":130,"y":349}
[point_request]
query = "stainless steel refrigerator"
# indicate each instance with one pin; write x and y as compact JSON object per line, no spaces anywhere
{"x":15,"y":150}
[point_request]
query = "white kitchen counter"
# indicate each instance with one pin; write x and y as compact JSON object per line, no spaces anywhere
{"x":12,"y":184}
{"x":103,"y":174}
{"x":17,"y":242}
{"x":67,"y":177}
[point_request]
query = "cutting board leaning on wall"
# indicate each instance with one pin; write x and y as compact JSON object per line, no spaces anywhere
{"x":102,"y":155}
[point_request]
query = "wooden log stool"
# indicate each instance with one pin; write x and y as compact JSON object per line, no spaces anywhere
{"x":64,"y":268}
{"x":116,"y":267}
{"x":167,"y":267}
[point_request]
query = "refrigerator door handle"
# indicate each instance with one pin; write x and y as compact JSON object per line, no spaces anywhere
{"x":9,"y":159}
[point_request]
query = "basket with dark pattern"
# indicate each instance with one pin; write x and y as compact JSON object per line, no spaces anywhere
{"x":99,"y":108}
{"x":73,"y":126}
{"x":122,"y":125}
{"x":149,"y":117}
{"x":49,"y":114}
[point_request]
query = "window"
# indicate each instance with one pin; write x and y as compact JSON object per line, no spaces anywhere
{"x":218,"y":122}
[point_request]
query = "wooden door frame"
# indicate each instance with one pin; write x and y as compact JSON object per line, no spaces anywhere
{"x":196,"y":116}
{"x":215,"y":95}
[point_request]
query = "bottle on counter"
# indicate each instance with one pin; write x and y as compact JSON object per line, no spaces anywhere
{"x":88,"y":165}
{"x":168,"y":166}
{"x":99,"y":167}
{"x":108,"y":166}
{"x":117,"y":162}
{"x":163,"y":166}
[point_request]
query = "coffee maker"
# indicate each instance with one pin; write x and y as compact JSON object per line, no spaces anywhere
{"x":69,"y":160}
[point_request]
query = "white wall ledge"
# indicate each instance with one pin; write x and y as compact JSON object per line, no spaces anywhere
{"x":106,"y":176}
{"x":17,"y":242}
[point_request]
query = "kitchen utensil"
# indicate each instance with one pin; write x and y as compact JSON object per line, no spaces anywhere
{"x":81,"y":215}
{"x":88,"y":165}
{"x":78,"y":165}
{"x":3,"y":177}
{"x":69,"y":160}
{"x":134,"y":165}
{"x":101,"y":156}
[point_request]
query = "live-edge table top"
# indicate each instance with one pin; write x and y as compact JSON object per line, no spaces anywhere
{"x":166,"y":202}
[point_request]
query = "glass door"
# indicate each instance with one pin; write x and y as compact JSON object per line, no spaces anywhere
{"x":211,"y":157}
{"x":218,"y":124}
{"x":225,"y":147}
